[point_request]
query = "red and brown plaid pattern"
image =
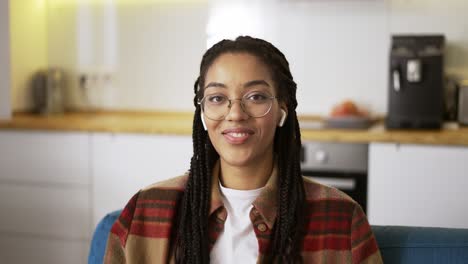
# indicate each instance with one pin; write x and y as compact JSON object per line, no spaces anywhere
{"x":337,"y":230}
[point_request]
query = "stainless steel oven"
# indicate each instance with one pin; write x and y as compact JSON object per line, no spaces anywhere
{"x":340,"y":165}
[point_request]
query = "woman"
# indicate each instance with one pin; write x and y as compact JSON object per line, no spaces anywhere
{"x":244,"y":199}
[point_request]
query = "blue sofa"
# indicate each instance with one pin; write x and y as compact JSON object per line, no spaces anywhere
{"x":398,"y":244}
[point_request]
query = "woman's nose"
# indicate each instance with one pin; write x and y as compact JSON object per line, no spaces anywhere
{"x":236,"y":112}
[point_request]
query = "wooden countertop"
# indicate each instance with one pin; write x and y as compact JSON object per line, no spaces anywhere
{"x":180,"y":123}
{"x":174,"y":123}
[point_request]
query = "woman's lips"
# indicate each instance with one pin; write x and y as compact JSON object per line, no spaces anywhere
{"x":237,"y":136}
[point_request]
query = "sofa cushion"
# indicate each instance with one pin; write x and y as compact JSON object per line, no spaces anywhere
{"x":403,"y":244}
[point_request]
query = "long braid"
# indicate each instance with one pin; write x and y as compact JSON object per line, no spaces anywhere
{"x":191,"y":243}
{"x":191,"y":237}
{"x":288,"y":233}
{"x":289,"y":225}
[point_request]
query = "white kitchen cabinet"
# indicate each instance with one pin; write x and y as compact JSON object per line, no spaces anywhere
{"x":126,"y":163}
{"x":44,"y":158}
{"x":15,"y":248}
{"x":45,"y":197}
{"x":418,"y":185}
{"x":56,"y":186}
{"x":61,"y":213}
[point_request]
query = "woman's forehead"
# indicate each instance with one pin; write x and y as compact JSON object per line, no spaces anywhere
{"x":238,"y":70}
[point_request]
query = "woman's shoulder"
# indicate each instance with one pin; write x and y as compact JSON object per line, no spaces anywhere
{"x":316,"y":191}
{"x":325,"y":202}
{"x":337,"y":223}
{"x":154,"y":207}
{"x":169,"y":188}
{"x":175,"y":183}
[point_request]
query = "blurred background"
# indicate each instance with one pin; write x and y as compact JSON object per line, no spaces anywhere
{"x":121,"y":118}
{"x":145,"y":54}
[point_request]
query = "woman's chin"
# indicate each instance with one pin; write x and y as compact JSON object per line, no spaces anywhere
{"x":244,"y":157}
{"x":240,"y":160}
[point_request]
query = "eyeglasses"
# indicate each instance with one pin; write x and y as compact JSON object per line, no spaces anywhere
{"x":217,"y":106}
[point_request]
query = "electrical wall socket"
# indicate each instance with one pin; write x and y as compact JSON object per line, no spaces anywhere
{"x":96,"y":88}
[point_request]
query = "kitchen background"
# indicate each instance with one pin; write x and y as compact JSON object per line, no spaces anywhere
{"x":58,"y":181}
{"x":144,"y":55}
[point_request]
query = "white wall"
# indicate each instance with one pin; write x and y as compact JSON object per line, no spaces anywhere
{"x":28,"y":50}
{"x":5,"y":108}
{"x":337,"y":49}
{"x":150,"y":52}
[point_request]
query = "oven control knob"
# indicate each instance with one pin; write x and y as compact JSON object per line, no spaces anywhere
{"x":321,"y":156}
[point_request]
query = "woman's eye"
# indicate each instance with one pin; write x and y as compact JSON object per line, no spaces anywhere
{"x":216,"y":99}
{"x":258,"y":97}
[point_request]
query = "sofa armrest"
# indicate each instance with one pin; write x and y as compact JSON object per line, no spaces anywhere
{"x":428,"y":245}
{"x":99,"y":240}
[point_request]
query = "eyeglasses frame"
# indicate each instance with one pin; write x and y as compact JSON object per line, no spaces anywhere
{"x":242,"y":107}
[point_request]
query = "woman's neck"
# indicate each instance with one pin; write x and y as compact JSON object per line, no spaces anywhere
{"x":246,"y":177}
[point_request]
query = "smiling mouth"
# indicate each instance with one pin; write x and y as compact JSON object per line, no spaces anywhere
{"x":237,"y":136}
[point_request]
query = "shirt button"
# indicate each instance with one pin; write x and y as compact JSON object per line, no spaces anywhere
{"x":262,"y":227}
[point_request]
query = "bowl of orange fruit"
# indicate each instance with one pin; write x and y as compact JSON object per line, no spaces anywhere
{"x":347,"y":114}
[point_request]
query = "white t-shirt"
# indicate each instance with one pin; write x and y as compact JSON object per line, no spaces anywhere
{"x":237,"y":243}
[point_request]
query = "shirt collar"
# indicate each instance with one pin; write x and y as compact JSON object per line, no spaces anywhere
{"x":266,"y":203}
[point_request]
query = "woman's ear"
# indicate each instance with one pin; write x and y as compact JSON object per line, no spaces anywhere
{"x":283,"y":118}
{"x":203,"y":121}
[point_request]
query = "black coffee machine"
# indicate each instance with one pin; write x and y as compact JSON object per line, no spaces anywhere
{"x":416,"y":82}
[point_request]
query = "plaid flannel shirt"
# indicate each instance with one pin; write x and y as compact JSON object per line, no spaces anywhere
{"x":337,"y":230}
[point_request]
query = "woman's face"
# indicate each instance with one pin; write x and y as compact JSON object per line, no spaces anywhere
{"x":239,"y":139}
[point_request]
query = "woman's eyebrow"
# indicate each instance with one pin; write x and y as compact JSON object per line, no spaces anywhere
{"x":246,"y":85}
{"x":255,"y":82}
{"x":215,"y":84}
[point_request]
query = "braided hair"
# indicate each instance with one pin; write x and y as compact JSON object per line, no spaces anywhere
{"x":191,"y":233}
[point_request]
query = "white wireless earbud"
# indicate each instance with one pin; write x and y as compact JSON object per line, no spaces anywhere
{"x":203,"y":121}
{"x":283,"y":118}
